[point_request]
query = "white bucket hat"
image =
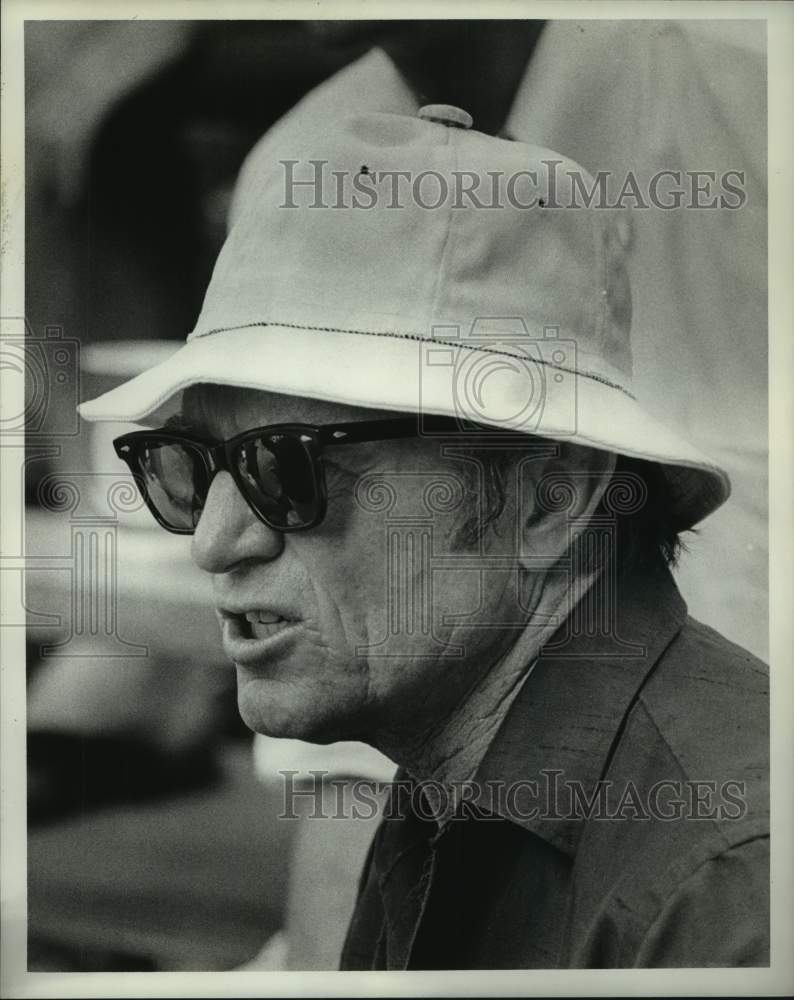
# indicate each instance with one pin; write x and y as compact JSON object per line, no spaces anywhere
{"x":413,"y":264}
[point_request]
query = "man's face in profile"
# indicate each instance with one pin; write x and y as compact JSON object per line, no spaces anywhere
{"x":346,"y":629}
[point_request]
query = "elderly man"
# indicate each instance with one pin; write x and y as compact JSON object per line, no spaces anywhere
{"x":404,"y":439}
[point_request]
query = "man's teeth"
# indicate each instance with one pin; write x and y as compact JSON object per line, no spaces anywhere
{"x":262,"y":617}
{"x":264,"y":624}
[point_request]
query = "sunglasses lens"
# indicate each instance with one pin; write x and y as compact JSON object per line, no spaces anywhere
{"x":277,"y":473}
{"x":176,"y":481}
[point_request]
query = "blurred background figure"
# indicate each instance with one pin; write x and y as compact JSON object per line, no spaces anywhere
{"x":135,"y":136}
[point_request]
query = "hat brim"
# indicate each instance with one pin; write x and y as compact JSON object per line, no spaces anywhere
{"x":400,"y":374}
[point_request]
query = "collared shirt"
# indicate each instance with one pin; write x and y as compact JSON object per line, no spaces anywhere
{"x":618,"y":819}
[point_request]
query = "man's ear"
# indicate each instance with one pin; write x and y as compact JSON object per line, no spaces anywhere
{"x":557,"y":498}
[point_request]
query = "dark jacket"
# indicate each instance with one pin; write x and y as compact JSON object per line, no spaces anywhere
{"x":636,"y":831}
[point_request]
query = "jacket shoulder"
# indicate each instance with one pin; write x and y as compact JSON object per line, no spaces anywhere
{"x":708,"y":702}
{"x":685,"y":885}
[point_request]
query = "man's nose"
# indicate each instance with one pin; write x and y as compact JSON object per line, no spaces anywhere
{"x":229,"y":532}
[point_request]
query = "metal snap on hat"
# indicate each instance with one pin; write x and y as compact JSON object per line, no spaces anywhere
{"x":446,"y":114}
{"x":390,"y":263}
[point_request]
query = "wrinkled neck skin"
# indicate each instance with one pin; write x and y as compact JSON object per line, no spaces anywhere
{"x":450,"y":752}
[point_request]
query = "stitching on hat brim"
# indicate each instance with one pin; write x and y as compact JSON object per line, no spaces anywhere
{"x":424,"y":340}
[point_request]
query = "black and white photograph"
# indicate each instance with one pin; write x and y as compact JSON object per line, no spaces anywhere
{"x":397,"y":497}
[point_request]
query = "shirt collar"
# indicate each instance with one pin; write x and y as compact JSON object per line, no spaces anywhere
{"x":568,"y":716}
{"x":563,"y":724}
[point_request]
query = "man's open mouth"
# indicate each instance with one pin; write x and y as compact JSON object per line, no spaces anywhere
{"x":250,"y":635}
{"x":262,"y":624}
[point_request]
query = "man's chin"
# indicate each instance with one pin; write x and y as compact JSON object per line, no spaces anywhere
{"x":286,"y":715}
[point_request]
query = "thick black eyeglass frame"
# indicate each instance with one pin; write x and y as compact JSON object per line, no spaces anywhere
{"x":221,"y":455}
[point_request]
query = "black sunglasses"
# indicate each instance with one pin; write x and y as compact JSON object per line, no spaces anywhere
{"x":278,"y":469}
